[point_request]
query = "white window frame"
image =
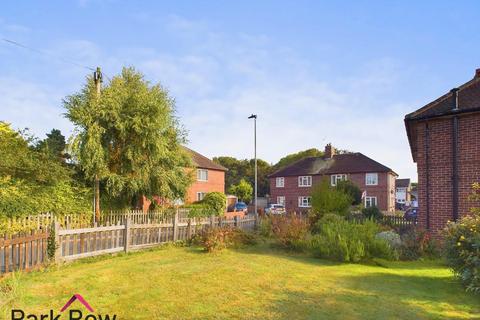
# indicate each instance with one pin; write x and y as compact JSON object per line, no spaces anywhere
{"x":281,"y":200}
{"x":304,"y":202}
{"x":369,"y":203}
{"x":368,"y":178}
{"x":280,"y":182}
{"x":305,"y":181}
{"x":201,"y":195}
{"x":334,"y":178}
{"x":199,"y":175}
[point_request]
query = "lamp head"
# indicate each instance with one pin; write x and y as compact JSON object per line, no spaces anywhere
{"x":253,"y":116}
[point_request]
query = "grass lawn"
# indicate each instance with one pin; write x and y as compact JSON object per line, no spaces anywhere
{"x":254,"y":283}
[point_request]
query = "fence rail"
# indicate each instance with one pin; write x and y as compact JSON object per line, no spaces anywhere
{"x":388,"y":220}
{"x":122,"y":232}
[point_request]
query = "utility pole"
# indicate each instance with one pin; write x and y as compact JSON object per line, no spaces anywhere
{"x":254,"y":117}
{"x":97,"y":77}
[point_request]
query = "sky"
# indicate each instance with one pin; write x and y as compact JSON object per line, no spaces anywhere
{"x":314,"y":72}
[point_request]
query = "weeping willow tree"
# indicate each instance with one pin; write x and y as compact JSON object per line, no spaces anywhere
{"x":130,"y":138}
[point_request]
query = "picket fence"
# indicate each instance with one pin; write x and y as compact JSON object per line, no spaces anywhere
{"x":116,"y":232}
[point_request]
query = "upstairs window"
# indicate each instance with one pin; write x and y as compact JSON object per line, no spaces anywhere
{"x":280,"y":182}
{"x":371,"y":179}
{"x":202,"y":175}
{"x":305,"y":181}
{"x":334,"y":178}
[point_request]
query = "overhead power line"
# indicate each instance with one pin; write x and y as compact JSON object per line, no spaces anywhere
{"x":15,"y":43}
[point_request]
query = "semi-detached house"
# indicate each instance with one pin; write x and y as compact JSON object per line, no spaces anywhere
{"x":292,"y":185}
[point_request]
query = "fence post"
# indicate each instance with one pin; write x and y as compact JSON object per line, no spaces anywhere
{"x":175,"y":226}
{"x":189,"y":228}
{"x":126,"y":236}
{"x":235,"y":221}
{"x":58,"y":245}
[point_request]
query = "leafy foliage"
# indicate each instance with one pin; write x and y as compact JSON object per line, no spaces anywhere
{"x":372,"y":213}
{"x":32,"y":181}
{"x":327,"y":199}
{"x":462,"y":250}
{"x":341,"y":240}
{"x":130,"y":138}
{"x":217,"y":239}
{"x":54,"y":144}
{"x":289,"y":230}
{"x":418,"y":244}
{"x":350,"y":188}
{"x":245,"y":169}
{"x":215,"y":202}
{"x":243,"y":190}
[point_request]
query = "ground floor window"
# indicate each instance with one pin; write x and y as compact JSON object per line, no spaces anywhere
{"x":304,"y":202}
{"x":370,"y":202}
{"x":200,"y":196}
{"x":281,"y":200}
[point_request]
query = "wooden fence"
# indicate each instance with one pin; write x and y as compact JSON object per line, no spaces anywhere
{"x":121,"y":232}
{"x":389,"y":220}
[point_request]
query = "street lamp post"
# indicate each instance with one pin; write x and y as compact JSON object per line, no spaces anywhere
{"x":254,"y":117}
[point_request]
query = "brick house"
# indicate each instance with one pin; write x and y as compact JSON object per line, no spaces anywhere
{"x":444,"y":139}
{"x":208,"y":177}
{"x":292,"y":185}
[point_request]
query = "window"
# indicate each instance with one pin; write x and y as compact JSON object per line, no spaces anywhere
{"x":370,"y":202}
{"x":280,"y":182}
{"x":281,"y":200}
{"x":334,"y":178}
{"x":202,"y":174}
{"x":304,"y":202}
{"x":200,"y":196}
{"x":371,"y":179}
{"x":305,"y":181}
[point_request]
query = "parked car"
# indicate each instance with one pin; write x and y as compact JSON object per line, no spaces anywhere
{"x":275,"y":208}
{"x":411,"y":213}
{"x":240,"y":207}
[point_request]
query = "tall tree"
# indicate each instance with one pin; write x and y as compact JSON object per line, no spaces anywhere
{"x":53,"y":144}
{"x":130,"y":138}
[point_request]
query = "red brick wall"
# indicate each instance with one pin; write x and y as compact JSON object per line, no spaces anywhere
{"x":216,"y":182}
{"x":440,"y":168}
{"x":384,"y":191}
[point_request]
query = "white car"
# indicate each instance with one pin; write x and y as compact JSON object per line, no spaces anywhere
{"x":275,"y":208}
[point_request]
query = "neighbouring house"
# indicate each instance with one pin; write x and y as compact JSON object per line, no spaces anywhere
{"x":444,"y":139}
{"x":402,"y":191}
{"x":292,"y":185}
{"x":208,"y":177}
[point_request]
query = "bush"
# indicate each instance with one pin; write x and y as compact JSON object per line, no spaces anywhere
{"x":217,"y":239}
{"x":350,"y":188}
{"x":289,"y":231}
{"x":391,"y":237}
{"x":417,"y":244}
{"x":462,"y":250}
{"x":265,"y":227}
{"x":216,"y":202}
{"x":372,"y":213}
{"x":341,"y":240}
{"x":327,"y":199}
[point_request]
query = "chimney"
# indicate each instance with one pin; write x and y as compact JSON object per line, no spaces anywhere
{"x":329,"y":151}
{"x":477,"y":73}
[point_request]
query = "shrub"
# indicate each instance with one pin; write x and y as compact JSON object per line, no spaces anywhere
{"x":327,"y":199}
{"x":289,"y":230}
{"x":417,"y":244}
{"x":391,"y":237}
{"x":216,"y":202}
{"x":372,"y":213}
{"x":462,"y":250}
{"x":342,"y":240}
{"x":265,"y":227}
{"x":350,"y":188}
{"x":217,"y":239}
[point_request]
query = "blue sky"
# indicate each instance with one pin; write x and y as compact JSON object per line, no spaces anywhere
{"x":313,"y":71}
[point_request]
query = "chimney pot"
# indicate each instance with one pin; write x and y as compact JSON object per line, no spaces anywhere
{"x":477,"y":73}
